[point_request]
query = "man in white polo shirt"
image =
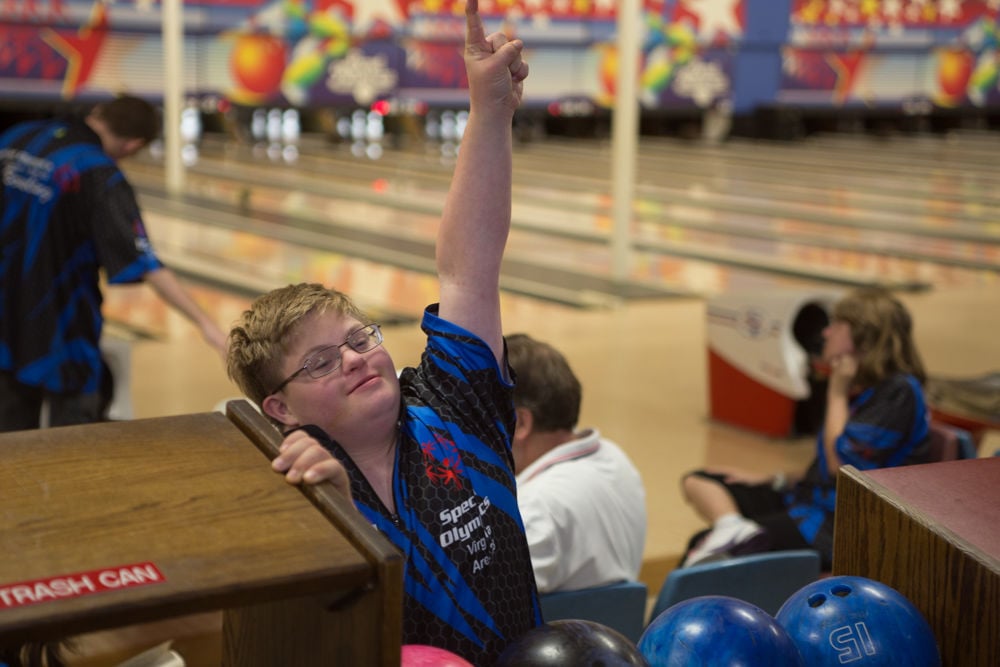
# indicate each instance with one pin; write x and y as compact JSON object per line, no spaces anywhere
{"x":581,"y":498}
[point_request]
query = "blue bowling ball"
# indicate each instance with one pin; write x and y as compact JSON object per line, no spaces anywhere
{"x":571,"y":643}
{"x":842,"y":620}
{"x":719,"y":631}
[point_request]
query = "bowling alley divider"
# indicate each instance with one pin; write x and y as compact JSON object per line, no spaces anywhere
{"x":116,"y":524}
{"x":930,"y":532}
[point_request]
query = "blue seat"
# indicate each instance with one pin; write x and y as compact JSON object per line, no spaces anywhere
{"x":967,"y":448}
{"x":764,"y":579}
{"x":620,"y":606}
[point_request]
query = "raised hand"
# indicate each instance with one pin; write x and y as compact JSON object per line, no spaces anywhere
{"x":843,"y":368}
{"x":494,"y":65}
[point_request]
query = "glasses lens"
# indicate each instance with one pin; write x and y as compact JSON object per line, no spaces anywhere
{"x":365,"y":339}
{"x":328,"y":360}
{"x":323,"y":362}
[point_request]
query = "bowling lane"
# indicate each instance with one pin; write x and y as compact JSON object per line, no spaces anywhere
{"x":741,"y":237}
{"x":246,"y":254}
{"x":797,"y":181}
{"x":796,"y":178}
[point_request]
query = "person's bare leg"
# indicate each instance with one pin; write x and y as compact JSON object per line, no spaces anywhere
{"x":708,"y":498}
{"x":729,"y":529}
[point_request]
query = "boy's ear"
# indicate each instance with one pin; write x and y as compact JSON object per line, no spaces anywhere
{"x":277,"y":409}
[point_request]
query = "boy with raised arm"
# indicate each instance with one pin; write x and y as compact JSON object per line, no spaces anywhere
{"x":426,"y":456}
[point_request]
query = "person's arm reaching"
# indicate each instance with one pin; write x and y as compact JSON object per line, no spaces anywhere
{"x":477,"y":211}
{"x":166,"y":285}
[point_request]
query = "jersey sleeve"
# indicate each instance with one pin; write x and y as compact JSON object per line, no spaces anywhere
{"x":120,"y":237}
{"x":465,"y":384}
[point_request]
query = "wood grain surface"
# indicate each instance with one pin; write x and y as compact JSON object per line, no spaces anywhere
{"x":930,"y":532}
{"x":187,"y":494}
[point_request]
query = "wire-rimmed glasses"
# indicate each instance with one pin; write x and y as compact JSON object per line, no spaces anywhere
{"x":328,"y":359}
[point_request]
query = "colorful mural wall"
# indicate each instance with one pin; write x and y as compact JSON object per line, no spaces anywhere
{"x":351,"y":53}
{"x":909,"y":52}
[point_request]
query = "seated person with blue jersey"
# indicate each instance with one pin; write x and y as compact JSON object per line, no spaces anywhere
{"x":425,"y":456}
{"x":876,"y":417}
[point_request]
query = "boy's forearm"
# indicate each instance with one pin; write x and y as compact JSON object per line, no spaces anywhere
{"x":476,"y":219}
{"x":477,"y":211}
{"x":474,"y":229}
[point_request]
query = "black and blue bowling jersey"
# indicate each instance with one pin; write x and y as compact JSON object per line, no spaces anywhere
{"x":469,"y":586}
{"x":66,"y":211}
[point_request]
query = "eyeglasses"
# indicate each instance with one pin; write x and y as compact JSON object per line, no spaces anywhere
{"x":328,"y":359}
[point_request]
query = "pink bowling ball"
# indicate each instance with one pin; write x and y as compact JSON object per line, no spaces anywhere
{"x":419,"y":655}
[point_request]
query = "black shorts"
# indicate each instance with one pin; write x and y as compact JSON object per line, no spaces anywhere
{"x":760,"y":503}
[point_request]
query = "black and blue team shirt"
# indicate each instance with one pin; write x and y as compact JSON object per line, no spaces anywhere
{"x":888,"y":426}
{"x":468,"y":586}
{"x":66,"y":211}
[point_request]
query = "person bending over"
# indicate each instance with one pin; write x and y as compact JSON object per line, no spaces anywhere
{"x":424,"y":456}
{"x":66,"y":214}
{"x":581,"y":498}
{"x":876,"y":417}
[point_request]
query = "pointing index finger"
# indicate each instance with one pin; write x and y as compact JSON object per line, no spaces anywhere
{"x":474,"y":32}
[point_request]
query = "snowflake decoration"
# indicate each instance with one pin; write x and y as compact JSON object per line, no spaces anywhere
{"x":365,"y":78}
{"x":701,"y":81}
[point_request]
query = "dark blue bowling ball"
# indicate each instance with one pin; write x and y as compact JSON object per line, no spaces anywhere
{"x":842,"y":620}
{"x":719,"y":631}
{"x":571,"y":643}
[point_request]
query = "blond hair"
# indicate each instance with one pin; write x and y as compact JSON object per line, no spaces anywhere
{"x":259,"y":342}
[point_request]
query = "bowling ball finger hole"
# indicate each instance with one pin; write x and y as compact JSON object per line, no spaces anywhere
{"x":841,"y":591}
{"x":816,"y":600}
